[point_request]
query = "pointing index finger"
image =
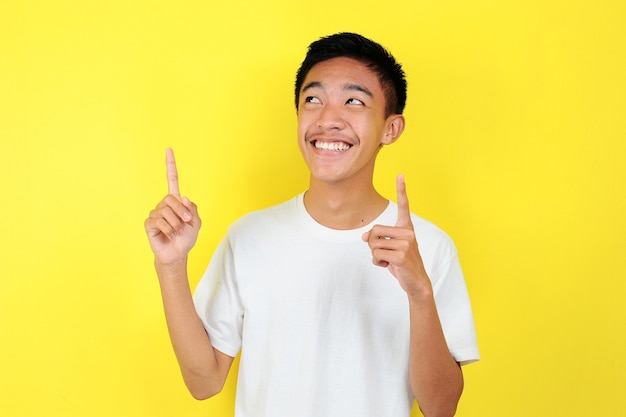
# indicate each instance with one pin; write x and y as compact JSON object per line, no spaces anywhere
{"x":172,"y":173}
{"x":404,"y":214}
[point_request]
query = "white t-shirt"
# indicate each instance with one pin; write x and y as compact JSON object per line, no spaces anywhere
{"x":321,"y":329}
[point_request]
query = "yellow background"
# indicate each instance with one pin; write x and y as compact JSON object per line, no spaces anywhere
{"x":515,"y":145}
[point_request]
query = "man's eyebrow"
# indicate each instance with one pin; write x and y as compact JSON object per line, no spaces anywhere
{"x":312,"y":84}
{"x":357,"y":87}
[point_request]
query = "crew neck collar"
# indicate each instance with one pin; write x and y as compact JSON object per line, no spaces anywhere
{"x":387,"y":217}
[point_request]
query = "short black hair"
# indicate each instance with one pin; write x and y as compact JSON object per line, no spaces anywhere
{"x":375,"y":56}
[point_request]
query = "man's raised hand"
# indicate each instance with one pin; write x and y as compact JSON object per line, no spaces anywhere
{"x":395,"y":247}
{"x":173,"y":226}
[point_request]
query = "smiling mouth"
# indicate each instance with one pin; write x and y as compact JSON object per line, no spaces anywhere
{"x":331,"y":146}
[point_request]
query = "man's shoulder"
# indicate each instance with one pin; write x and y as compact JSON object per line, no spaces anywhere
{"x":262,"y":219}
{"x":431,"y":237}
{"x":427,"y":227}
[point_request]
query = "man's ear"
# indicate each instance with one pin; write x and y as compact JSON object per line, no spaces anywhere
{"x":395,"y":127}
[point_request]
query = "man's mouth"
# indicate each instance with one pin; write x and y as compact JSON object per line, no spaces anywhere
{"x":331,"y":146}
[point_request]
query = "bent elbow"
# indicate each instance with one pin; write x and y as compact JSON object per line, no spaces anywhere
{"x":203,"y":393}
{"x":204,"y":388}
{"x":448,"y":411}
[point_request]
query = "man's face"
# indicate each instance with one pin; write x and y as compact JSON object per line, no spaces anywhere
{"x":341,"y":121}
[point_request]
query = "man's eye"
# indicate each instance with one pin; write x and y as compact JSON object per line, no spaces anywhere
{"x":354,"y":101}
{"x":312,"y":99}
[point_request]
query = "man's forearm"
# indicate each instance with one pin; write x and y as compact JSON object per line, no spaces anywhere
{"x":436,"y":378}
{"x":204,"y":369}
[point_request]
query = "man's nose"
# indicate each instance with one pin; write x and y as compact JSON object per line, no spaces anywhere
{"x":331,"y":117}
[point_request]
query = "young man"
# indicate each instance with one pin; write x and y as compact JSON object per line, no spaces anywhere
{"x":341,"y":302}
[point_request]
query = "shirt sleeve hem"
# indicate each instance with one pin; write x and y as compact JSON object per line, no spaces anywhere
{"x":466,"y":356}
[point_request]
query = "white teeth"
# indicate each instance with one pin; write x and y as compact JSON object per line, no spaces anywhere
{"x":331,"y":146}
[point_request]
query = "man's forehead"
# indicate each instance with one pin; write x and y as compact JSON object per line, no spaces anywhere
{"x":349,"y":73}
{"x":347,"y":86}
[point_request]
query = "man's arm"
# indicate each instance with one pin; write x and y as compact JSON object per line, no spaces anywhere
{"x":172,"y":230}
{"x":203,"y":367}
{"x":436,"y":378}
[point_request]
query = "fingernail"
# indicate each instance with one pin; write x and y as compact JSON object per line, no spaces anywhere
{"x":186,"y":216}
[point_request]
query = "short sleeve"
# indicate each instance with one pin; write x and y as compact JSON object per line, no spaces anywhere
{"x":455,"y":311}
{"x":217,"y":301}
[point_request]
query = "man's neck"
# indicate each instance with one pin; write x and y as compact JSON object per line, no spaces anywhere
{"x":343,"y":206}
